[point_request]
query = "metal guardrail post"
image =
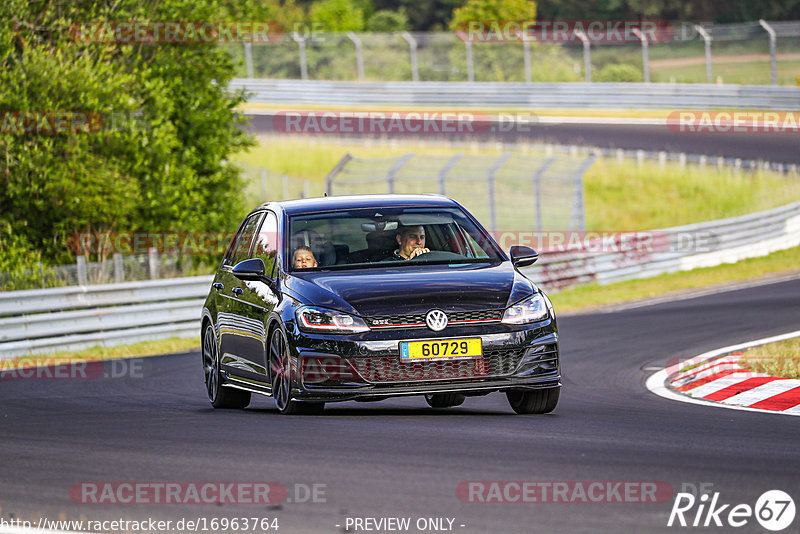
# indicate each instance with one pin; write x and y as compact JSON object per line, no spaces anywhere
{"x":248,"y":59}
{"x":446,"y":169}
{"x":412,"y":47}
{"x":359,"y":54}
{"x":707,"y":38}
{"x":490,"y":179}
{"x":587,"y":55}
{"x":645,"y":54}
{"x":470,"y":64}
{"x":773,"y":55}
{"x":301,"y":43}
{"x":336,"y":170}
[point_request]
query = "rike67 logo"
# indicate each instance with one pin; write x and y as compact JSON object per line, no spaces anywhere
{"x":774,"y":510}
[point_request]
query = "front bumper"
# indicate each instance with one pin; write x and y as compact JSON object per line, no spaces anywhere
{"x":368,"y":366}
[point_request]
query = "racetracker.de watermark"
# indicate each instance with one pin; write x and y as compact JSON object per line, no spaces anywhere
{"x":65,"y":122}
{"x":709,"y":121}
{"x":177,"y":32}
{"x":564,"y":492}
{"x":566,"y":31}
{"x":54,"y":368}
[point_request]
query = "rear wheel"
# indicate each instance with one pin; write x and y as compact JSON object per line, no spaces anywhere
{"x":444,"y":400}
{"x":220,"y":397}
{"x":281,"y":373}
{"x":537,"y":401}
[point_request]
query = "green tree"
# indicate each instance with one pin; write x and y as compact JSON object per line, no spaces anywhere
{"x":387,"y":21}
{"x":493,"y":10}
{"x":338,"y":15}
{"x":160,"y":161}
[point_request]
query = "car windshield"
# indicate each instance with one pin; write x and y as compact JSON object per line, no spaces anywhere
{"x":380,"y":237}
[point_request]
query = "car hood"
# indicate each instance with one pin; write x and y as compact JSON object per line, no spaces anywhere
{"x":417,"y":289}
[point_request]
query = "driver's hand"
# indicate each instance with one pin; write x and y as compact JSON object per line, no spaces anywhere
{"x":417,"y":251}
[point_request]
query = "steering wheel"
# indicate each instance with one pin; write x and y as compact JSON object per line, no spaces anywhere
{"x":437,"y":255}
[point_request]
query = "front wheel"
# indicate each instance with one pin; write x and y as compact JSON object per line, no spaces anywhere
{"x":220,"y":397}
{"x":537,"y":401}
{"x":281,"y":373}
{"x":444,"y":400}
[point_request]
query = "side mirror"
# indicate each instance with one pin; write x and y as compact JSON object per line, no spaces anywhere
{"x":523,"y":256}
{"x":249,"y":270}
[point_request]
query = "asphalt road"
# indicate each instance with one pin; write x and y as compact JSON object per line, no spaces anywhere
{"x":399,"y":458}
{"x":774,"y":147}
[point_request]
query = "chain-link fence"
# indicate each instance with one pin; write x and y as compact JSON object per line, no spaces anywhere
{"x":754,"y":53}
{"x":509,"y":191}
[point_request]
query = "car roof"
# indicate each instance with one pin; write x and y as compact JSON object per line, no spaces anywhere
{"x":320,"y":204}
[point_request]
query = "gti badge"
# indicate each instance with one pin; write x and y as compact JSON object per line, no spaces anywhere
{"x":436,"y":320}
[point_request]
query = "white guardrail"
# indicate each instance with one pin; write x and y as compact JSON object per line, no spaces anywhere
{"x":483,"y":95}
{"x":37,"y":321}
{"x":71,"y":318}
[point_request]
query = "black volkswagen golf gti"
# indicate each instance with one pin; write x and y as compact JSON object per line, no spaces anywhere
{"x":368,"y":297}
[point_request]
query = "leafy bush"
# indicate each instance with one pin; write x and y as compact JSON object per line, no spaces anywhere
{"x":615,"y":72}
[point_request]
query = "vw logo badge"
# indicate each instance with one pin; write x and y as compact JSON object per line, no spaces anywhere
{"x":436,"y":320}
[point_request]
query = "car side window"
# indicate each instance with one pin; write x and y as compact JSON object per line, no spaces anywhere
{"x":267,"y":241}
{"x":246,"y":235}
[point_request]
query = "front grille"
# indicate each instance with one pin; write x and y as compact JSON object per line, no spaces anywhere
{"x":494,"y":363}
{"x":418,"y":319}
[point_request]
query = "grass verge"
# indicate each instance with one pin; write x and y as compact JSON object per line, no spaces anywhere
{"x":776,"y":359}
{"x":99,"y":353}
{"x":595,"y":295}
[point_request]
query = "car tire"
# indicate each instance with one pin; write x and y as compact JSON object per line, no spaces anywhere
{"x":281,"y":379}
{"x":537,"y":401}
{"x":444,"y":400}
{"x":220,"y":396}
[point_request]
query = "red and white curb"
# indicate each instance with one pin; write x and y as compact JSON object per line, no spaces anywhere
{"x":717,"y":379}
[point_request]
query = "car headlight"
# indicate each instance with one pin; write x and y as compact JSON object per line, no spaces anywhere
{"x":529,"y":310}
{"x":313,"y":319}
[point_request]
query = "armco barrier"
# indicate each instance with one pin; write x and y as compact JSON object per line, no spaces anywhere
{"x":76,"y":317}
{"x":70,"y":318}
{"x":679,"y":248}
{"x":485,"y":95}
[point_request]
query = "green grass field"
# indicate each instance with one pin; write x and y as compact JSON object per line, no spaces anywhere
{"x":743,"y":72}
{"x":617,"y":196}
{"x":777,"y":359}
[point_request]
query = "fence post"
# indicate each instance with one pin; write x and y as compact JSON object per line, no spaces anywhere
{"x":248,"y":59}
{"x":264,"y":184}
{"x":446,"y":169}
{"x":526,"y":50}
{"x":773,"y":59}
{"x":578,"y":210}
{"x":395,"y":169}
{"x":412,"y":46}
{"x":537,"y":191}
{"x":359,"y":54}
{"x":470,"y":65}
{"x":301,"y":43}
{"x":645,"y":54}
{"x":81,"y":268}
{"x":587,"y":55}
{"x":707,"y":38}
{"x":492,"y":204}
{"x":336,"y":170}
{"x":152,"y":261}
{"x":119,"y":269}
{"x":285,"y":183}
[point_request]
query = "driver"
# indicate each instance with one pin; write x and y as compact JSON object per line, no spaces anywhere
{"x":412,"y":243}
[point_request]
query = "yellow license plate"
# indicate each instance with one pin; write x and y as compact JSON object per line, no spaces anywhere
{"x":441,"y":348}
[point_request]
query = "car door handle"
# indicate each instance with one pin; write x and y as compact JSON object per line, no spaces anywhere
{"x":218,"y":286}
{"x":238,"y":290}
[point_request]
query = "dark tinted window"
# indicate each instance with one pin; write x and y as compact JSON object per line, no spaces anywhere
{"x":246,"y":235}
{"x":266,"y":246}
